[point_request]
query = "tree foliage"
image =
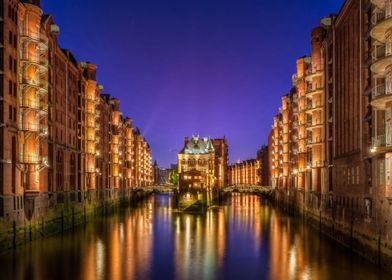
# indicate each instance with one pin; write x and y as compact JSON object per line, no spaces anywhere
{"x":174,"y":176}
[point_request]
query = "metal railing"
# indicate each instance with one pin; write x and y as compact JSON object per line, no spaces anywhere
{"x":31,"y":158}
{"x":41,"y":84}
{"x":382,"y":141}
{"x":29,"y":103}
{"x":381,"y":15}
{"x":310,"y":141}
{"x":36,"y":36}
{"x":381,"y":90}
{"x":30,"y":127}
{"x":379,"y":52}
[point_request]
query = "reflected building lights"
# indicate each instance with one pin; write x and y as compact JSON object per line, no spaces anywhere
{"x":245,"y":237}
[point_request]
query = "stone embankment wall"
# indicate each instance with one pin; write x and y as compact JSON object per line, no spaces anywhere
{"x":350,"y":228}
{"x":63,"y":217}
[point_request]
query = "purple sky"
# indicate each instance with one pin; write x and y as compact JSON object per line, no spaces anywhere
{"x":181,"y":67}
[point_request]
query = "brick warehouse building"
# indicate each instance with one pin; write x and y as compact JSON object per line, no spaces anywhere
{"x":62,"y":140}
{"x":244,"y":173}
{"x":263,"y":156}
{"x":202,"y":163}
{"x":331,"y":140}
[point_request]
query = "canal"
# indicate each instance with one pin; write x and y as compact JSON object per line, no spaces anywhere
{"x":244,"y":239}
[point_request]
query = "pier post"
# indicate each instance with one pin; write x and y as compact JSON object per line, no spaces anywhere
{"x":14,"y":234}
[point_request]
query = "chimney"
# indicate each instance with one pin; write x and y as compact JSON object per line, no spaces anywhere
{"x":186,"y":140}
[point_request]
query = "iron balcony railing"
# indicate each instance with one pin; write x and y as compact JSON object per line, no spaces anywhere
{"x":381,"y":90}
{"x":381,"y":15}
{"x":33,"y":35}
{"x":41,"y":84}
{"x":32,"y":158}
{"x":382,"y":141}
{"x":310,"y":141}
{"x":381,"y":51}
{"x":30,"y":127}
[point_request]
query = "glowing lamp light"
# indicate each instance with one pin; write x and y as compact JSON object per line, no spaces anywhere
{"x":295,"y":171}
{"x":308,"y":167}
{"x":373,"y":149}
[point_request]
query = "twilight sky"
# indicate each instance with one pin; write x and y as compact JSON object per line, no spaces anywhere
{"x":181,"y":67}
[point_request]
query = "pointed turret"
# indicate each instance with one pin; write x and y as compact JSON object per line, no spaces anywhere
{"x":210,"y":147}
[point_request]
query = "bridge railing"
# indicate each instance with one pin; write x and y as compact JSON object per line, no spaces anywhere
{"x":248,"y":189}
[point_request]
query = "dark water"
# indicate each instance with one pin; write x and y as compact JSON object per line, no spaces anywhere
{"x":247,"y":239}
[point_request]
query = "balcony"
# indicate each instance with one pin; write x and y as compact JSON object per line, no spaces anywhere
{"x":29,"y":104}
{"x":34,"y":36}
{"x":313,"y":91}
{"x":30,"y":159}
{"x":41,"y":62}
{"x":313,"y":73}
{"x":41,"y":85}
{"x":311,"y":141}
{"x":29,"y":127}
{"x":44,"y":108}
{"x":314,"y":125}
{"x":381,"y":58}
{"x":381,"y":96}
{"x":378,"y":3}
{"x":381,"y":21}
{"x":382,"y":143}
{"x":43,"y":131}
{"x":310,"y":108}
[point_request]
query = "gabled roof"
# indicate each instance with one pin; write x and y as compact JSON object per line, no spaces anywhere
{"x":197,"y":145}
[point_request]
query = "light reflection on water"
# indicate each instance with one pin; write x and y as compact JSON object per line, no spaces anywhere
{"x":245,"y":239}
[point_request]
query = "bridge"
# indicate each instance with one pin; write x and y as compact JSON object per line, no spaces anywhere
{"x":255,"y":189}
{"x":158,"y":189}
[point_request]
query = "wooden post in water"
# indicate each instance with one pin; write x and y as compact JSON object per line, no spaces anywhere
{"x":43,"y":227}
{"x":73,"y":218}
{"x":30,"y":233}
{"x":14,"y":234}
{"x":84,"y":214}
{"x":62,"y":220}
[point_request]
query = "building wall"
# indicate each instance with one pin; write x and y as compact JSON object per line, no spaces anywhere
{"x":221,"y":161}
{"x":196,"y":171}
{"x":263,"y":156}
{"x":342,"y":169}
{"x":244,"y":173}
{"x":203,"y":169}
{"x":55,"y":148}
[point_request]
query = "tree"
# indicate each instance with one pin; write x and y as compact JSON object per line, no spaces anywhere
{"x":174,"y":176}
